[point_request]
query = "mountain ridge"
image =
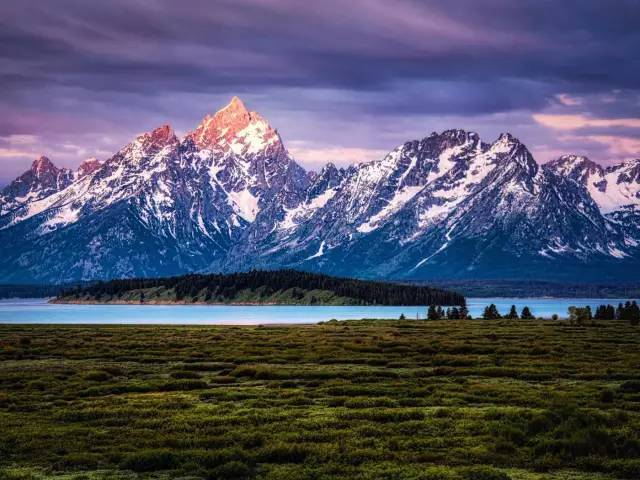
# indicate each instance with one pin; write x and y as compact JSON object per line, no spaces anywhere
{"x":228,"y":196}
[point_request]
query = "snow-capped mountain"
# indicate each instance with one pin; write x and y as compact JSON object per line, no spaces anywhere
{"x":612,"y":188}
{"x":451,"y":206}
{"x":228,"y":196}
{"x":40,"y":181}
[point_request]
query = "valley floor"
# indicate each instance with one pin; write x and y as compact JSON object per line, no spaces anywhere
{"x":458,"y":400}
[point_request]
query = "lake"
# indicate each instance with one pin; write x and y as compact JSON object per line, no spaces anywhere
{"x":39,"y":311}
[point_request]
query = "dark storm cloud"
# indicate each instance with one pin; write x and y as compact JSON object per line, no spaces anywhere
{"x":76,"y":69}
{"x":126,"y":46}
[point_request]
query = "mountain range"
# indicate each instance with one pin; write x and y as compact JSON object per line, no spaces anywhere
{"x":228,"y":196}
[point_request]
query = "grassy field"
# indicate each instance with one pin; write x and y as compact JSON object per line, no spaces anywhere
{"x":448,"y":400}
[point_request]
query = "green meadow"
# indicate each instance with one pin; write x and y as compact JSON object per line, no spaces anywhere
{"x":428,"y":400}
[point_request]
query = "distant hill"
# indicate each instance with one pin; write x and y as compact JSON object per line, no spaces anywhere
{"x":288,"y":287}
{"x":31,"y":291}
{"x":522,"y":288}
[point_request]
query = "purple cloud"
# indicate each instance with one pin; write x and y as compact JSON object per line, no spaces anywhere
{"x":82,"y":78}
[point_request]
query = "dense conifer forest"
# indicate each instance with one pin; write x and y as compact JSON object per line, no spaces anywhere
{"x":30,"y":291}
{"x":263,"y":286}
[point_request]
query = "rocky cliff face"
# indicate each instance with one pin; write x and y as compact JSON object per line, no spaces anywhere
{"x":228,"y":196}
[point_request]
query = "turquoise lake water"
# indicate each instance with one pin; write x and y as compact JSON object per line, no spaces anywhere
{"x":39,"y":311}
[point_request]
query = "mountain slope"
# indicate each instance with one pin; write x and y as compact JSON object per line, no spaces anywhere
{"x":228,"y":196}
{"x":159,"y":206}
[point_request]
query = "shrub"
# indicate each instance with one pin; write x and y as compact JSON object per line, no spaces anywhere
{"x":183,"y":385}
{"x":97,"y":376}
{"x":284,"y":453}
{"x":627,"y":468}
{"x":17,"y":473}
{"x":113,"y":371}
{"x":149,"y":460}
{"x":80,"y":460}
{"x":483,"y":473}
{"x":212,"y":459}
{"x":607,"y":396}
{"x":223,"y":379}
{"x":230,"y":470}
{"x":632,"y":386}
{"x":181,"y":374}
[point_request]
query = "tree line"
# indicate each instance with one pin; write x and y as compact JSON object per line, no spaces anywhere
{"x":491,"y":313}
{"x":436,"y":312}
{"x":30,"y":290}
{"x":227,"y":286}
{"x":629,"y":311}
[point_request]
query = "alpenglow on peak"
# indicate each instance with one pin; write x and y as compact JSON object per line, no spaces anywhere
{"x":235,"y":129}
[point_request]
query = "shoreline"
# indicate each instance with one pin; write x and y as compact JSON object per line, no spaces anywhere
{"x":213,"y":304}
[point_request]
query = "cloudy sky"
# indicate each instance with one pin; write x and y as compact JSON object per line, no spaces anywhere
{"x":343,"y":81}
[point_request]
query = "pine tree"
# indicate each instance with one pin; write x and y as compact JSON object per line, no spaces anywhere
{"x":579,"y":315}
{"x":432,"y":313}
{"x":634,"y":313}
{"x":513,"y":313}
{"x":599,"y":315}
{"x":491,"y":313}
{"x":526,"y":314}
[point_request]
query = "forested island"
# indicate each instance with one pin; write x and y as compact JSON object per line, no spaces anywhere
{"x":282,"y":287}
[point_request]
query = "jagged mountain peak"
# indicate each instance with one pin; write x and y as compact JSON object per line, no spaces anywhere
{"x":511,"y":152}
{"x":631,"y":166}
{"x":329,"y":177}
{"x":576,"y":167}
{"x":42,"y":166}
{"x":88,"y":166}
{"x":149,"y":143}
{"x":506,"y":142}
{"x":456,"y":134}
{"x":159,"y":137}
{"x":612,"y":188}
{"x":328,"y":168}
{"x":235,"y":129}
{"x":228,"y":196}
{"x":451,"y":138}
{"x":628,"y":175}
{"x":40,"y":181}
{"x":234,"y":109}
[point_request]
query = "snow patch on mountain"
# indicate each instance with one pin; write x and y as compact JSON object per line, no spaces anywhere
{"x":319,"y":253}
{"x":245,"y":204}
{"x":611,"y":188}
{"x":400,"y":198}
{"x":64,"y":216}
{"x":295,"y":216}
